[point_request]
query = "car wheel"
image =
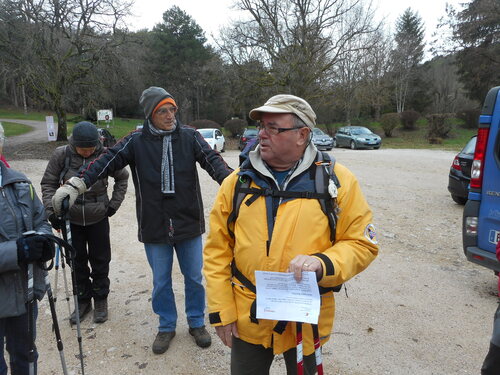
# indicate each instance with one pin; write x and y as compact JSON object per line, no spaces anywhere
{"x":376,"y":147}
{"x":353,"y":145}
{"x":459,"y":200}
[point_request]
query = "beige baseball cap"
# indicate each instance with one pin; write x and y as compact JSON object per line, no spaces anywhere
{"x":284,"y":103}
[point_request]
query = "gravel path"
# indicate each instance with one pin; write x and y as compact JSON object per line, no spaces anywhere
{"x":420,"y":308}
{"x":38,"y":134}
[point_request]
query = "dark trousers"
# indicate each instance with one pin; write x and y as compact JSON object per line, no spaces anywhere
{"x":250,"y":359}
{"x":491,"y":365}
{"x":92,"y":247}
{"x":14,"y":331}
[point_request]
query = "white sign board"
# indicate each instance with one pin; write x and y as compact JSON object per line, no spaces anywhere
{"x":51,"y":128}
{"x":104,"y":115}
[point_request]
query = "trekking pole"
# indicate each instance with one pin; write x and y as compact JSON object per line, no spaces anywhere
{"x":55,"y":324}
{"x":56,"y":269}
{"x":60,"y":258}
{"x":31,"y":313}
{"x":300,"y":355}
{"x":300,"y":352}
{"x":67,"y":236}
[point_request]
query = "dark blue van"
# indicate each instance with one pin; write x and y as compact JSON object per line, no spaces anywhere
{"x":481,"y":219}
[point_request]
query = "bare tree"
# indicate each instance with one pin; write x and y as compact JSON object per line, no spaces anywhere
{"x":376,"y":63}
{"x":349,"y":72}
{"x":297,"y":41}
{"x":65,"y":40}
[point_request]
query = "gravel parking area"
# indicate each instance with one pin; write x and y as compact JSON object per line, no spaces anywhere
{"x":420,"y":308}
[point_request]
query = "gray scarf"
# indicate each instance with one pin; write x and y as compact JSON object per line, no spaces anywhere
{"x":167,"y":159}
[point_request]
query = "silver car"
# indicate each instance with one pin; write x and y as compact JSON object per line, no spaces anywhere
{"x":356,"y":137}
{"x":321,"y":140}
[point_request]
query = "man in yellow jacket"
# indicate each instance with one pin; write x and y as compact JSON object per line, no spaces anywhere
{"x":279,"y":228}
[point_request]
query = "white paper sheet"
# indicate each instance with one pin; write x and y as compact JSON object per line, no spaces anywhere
{"x":280,"y":297}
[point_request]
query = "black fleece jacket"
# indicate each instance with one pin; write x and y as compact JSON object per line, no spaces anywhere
{"x":163,"y":218}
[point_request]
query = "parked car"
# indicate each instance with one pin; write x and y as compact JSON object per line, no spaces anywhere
{"x":459,"y":177}
{"x":214,"y":138}
{"x":247,"y":135}
{"x":481,"y":217}
{"x":356,"y":137}
{"x":321,"y":140}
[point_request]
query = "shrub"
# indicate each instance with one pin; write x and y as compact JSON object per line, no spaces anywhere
{"x":203,"y":124}
{"x":390,"y":121}
{"x":409,"y":119}
{"x":470,"y":117}
{"x":235,"y":126}
{"x":439,"y":125}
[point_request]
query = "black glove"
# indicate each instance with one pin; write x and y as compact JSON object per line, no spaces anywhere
{"x":111,"y":211}
{"x":34,"y":248}
{"x":56,"y":222}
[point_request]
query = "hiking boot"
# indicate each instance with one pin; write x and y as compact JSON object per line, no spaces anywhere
{"x":83,"y":308}
{"x":100,"y":310}
{"x":162,"y":342}
{"x":201,"y":336}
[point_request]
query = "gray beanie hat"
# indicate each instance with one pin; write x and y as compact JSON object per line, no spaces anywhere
{"x":85,"y":134}
{"x":151,"y":97}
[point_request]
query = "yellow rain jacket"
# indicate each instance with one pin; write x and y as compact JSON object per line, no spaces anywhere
{"x":300,"y":227}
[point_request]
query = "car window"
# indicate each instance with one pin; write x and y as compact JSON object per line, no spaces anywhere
{"x":359,"y":131}
{"x":470,"y":147}
{"x":317,"y":131}
{"x":250,"y":132}
{"x":218,"y":133}
{"x":206,"y":133}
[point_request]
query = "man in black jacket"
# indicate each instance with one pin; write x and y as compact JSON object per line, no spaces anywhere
{"x":162,"y":157}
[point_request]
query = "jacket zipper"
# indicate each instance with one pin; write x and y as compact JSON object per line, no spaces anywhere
{"x":10,"y":207}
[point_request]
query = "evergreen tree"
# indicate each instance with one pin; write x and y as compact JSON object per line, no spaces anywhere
{"x":178,"y":60}
{"x":408,"y":53}
{"x":476,"y":30}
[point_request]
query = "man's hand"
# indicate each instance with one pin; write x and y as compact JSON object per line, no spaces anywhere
{"x":56,"y":222}
{"x":34,"y":248}
{"x":305,"y":263}
{"x":110,"y":212}
{"x":226,"y":333}
{"x":72,"y":189}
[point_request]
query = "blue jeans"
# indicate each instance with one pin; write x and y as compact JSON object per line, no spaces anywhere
{"x":160,"y":258}
{"x":14,"y":331}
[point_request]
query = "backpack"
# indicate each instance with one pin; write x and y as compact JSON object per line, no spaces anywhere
{"x":326,"y":184}
{"x":107,"y":139}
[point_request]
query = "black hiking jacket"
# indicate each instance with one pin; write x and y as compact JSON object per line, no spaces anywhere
{"x":163,"y":218}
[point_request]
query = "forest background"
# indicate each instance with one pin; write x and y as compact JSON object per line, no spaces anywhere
{"x":72,"y":58}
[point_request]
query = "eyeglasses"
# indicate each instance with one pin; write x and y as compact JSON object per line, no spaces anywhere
{"x":162,"y":111}
{"x":271,"y":130}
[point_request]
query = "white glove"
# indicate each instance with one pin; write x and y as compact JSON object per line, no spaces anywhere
{"x":72,"y":189}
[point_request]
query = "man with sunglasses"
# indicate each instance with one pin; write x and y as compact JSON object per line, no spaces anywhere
{"x":280,"y":227}
{"x":162,"y":157}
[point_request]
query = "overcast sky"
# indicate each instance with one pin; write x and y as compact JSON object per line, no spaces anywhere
{"x":211,"y":15}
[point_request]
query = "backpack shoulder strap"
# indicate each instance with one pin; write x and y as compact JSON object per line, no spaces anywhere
{"x":326,"y":181}
{"x":67,"y":163}
{"x":240,"y":192}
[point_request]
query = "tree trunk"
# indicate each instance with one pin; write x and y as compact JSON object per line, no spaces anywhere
{"x":62,"y":130}
{"x":25,"y":105}
{"x":14,"y":93}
